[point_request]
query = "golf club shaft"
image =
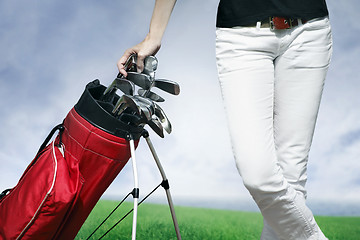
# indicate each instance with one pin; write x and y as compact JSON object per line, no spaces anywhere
{"x":162,"y":172}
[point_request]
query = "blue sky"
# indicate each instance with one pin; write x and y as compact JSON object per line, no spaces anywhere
{"x":51,"y":49}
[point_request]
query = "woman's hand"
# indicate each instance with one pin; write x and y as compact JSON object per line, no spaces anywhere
{"x":146,"y":48}
{"x":152,"y":42}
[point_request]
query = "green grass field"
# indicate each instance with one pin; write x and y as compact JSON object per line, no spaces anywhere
{"x":154,"y":222}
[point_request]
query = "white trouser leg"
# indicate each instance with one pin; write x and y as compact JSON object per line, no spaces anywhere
{"x":268,"y":233}
{"x":271,"y":84}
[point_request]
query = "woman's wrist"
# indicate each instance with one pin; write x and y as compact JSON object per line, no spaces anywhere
{"x":153,"y":39}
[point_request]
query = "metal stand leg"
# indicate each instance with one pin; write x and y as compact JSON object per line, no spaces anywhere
{"x":135,"y":192}
{"x":165,"y":184}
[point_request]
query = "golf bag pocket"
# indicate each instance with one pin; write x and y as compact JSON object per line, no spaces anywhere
{"x":44,"y":194}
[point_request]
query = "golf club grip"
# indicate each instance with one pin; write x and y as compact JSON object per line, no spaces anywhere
{"x":129,"y":65}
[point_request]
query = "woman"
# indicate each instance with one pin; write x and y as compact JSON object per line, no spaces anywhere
{"x":272,"y":59}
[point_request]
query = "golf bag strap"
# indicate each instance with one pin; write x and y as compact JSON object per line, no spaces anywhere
{"x":4,"y":193}
{"x":59,"y":128}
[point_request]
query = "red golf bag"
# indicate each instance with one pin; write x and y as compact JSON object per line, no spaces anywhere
{"x":63,"y":183}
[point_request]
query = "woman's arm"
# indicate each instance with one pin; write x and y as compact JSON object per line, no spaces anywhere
{"x":152,"y":42}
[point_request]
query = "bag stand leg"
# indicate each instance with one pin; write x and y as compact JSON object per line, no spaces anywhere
{"x":165,"y":184}
{"x":135,"y":192}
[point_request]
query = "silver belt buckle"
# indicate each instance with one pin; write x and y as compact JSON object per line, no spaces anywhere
{"x":272,"y":25}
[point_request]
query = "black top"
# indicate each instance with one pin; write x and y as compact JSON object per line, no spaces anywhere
{"x":232,"y":13}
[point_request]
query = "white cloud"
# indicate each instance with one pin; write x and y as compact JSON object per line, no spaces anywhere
{"x":335,"y":152}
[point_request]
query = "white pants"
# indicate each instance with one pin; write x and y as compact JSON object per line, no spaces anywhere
{"x":272,"y":82}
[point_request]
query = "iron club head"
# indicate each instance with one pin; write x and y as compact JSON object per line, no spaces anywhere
{"x":146,"y":110}
{"x":151,"y":95}
{"x":156,"y":126}
{"x":148,"y":102}
{"x":123,"y":85}
{"x":124,"y":102}
{"x":140,"y":79}
{"x":160,"y":114}
{"x":167,"y":86}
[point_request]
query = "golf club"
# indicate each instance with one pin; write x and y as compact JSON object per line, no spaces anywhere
{"x":147,"y":102}
{"x":146,"y":110}
{"x":160,"y":114}
{"x":124,"y":102}
{"x":156,"y":126}
{"x":150,"y":66}
{"x":108,"y":95}
{"x":140,"y":79}
{"x":151,"y":95}
{"x":167,"y":86}
{"x":123,"y":85}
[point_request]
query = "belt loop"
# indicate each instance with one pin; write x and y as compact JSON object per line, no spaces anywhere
{"x":258,"y":25}
{"x":271,"y":22}
{"x":299,"y":21}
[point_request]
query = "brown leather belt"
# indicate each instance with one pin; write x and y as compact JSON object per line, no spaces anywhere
{"x":279,"y":23}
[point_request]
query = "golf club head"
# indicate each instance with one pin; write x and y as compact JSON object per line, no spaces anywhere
{"x":124,"y":85}
{"x":120,"y":108}
{"x":167,"y":86}
{"x":155,"y":125}
{"x":151,"y":95}
{"x":146,"y":101}
{"x":160,"y":114}
{"x":150,"y":65}
{"x":126,"y":101}
{"x":140,"y":79}
{"x":146,"y":110}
